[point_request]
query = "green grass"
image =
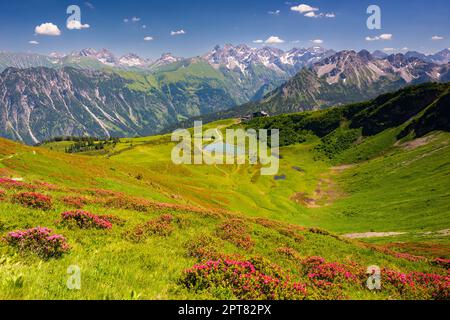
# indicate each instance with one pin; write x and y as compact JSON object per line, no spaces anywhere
{"x":392,"y":189}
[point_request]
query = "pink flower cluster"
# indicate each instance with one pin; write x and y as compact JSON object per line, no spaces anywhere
{"x":75,"y":201}
{"x":161,"y":226}
{"x":84,"y":220}
{"x":40,"y":241}
{"x":244,"y":280}
{"x":409,"y":257}
{"x":13,"y":184}
{"x":418,"y":284}
{"x":33,"y":200}
{"x":318,"y":269}
{"x":237,"y":232}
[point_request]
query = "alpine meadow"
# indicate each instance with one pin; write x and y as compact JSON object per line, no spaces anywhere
{"x":93,"y":205}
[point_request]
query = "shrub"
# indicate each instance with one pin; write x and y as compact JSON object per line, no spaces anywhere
{"x":409,"y":257}
{"x":103,"y":193}
{"x":287,"y":230}
{"x":18,"y":185}
{"x":204,"y":247}
{"x":328,"y":278}
{"x":289,"y":252}
{"x":417,"y":285}
{"x":33,"y":200}
{"x":243,"y":280}
{"x":319,"y":231}
{"x":113,"y":219}
{"x":46,"y":186}
{"x":2,"y":195}
{"x":236,"y":232}
{"x":40,"y":241}
{"x":84,"y":220}
{"x":443,"y":263}
{"x":161,"y":226}
{"x":75,"y":201}
{"x":128,"y":203}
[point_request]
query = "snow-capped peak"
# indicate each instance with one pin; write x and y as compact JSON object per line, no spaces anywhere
{"x":132,"y":60}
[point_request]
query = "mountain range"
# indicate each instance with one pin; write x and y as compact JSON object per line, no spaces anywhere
{"x":345,"y":77}
{"x":95,"y":93}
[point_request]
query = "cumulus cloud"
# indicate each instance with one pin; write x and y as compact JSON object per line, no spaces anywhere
{"x":125,"y":20}
{"x":148,"y":38}
{"x":274,"y":40}
{"x":144,"y":26}
{"x":275,"y":13}
{"x":382,"y":37}
{"x":303,"y":8}
{"x":76,"y":25}
{"x":311,"y":14}
{"x":33,"y":42}
{"x":389,"y":49}
{"x":258,"y":41}
{"x":47,"y":29}
{"x":386,"y":36}
{"x":317,"y":41}
{"x":437,"y":38}
{"x":177,"y":33}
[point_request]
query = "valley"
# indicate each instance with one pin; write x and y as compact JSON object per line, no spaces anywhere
{"x":355,"y":193}
{"x":94,"y":93}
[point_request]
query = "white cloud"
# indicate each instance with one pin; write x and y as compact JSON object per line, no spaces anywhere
{"x":148,"y":38}
{"x":303,"y":8}
{"x":405,"y":49}
{"x":144,"y":26}
{"x":177,"y":33}
{"x":311,"y":14}
{"x":382,"y":37}
{"x":258,"y":41}
{"x":33,"y":42}
{"x":48,"y":29}
{"x":295,"y":41}
{"x":275,"y":13}
{"x":389,"y":49}
{"x":437,"y":38}
{"x":317,"y":41}
{"x":274,"y":40}
{"x":386,"y":36}
{"x":134,"y":19}
{"x":76,"y":25}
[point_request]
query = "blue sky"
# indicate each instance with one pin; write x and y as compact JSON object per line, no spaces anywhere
{"x":411,"y":24}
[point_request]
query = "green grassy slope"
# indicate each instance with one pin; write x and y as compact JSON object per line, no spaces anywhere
{"x":378,"y":182}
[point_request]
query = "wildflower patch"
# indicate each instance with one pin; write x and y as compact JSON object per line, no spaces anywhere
{"x":40,"y":241}
{"x":33,"y":200}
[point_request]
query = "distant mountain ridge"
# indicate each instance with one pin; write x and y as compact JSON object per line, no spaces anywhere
{"x":39,"y":103}
{"x":228,"y":56}
{"x":342,"y":78}
{"x":88,"y":93}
